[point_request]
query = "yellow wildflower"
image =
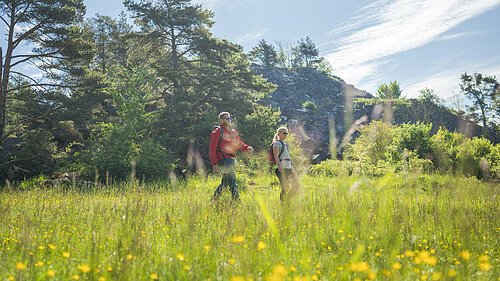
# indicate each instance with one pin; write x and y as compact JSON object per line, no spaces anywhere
{"x":85,"y":268}
{"x":39,"y":263}
{"x":238,"y":239}
{"x":261,"y":245}
{"x":187,"y":267}
{"x":52,"y":246}
{"x":436,"y":276}
{"x":465,"y":255}
{"x":396,"y":266}
{"x":51,"y":273}
{"x":180,"y":256}
{"x":409,"y":253}
{"x":452,"y":273}
{"x":154,"y":276}
{"x":484,"y":266}
{"x":359,"y":267}
{"x":232,"y":261}
{"x":207,"y":248}
{"x":75,"y":277}
{"x":66,"y":254}
{"x":484,"y":258}
{"x":280,"y":270}
{"x":372,"y":275}
{"x":314,"y":277}
{"x":237,"y":278}
{"x":129,"y":257}
{"x":102,"y":278}
{"x":109,"y":269}
{"x":21,"y":266}
{"x":432,"y":261}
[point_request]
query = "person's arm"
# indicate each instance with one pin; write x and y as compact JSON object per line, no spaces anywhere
{"x":276,"y":153}
{"x":243,"y":146}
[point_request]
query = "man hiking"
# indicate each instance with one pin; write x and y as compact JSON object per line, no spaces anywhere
{"x":224,"y":143}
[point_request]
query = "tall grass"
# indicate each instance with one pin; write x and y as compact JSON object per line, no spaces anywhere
{"x":394,"y":227}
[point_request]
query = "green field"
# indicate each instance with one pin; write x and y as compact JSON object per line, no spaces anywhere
{"x":396,"y":227}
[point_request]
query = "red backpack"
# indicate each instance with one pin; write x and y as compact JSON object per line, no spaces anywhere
{"x":270,"y":155}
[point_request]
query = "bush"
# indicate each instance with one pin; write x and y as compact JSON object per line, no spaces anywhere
{"x":444,"y":146}
{"x":369,"y":148}
{"x":410,"y":137}
{"x":153,"y":160}
{"x":474,"y":158}
{"x":28,"y":155}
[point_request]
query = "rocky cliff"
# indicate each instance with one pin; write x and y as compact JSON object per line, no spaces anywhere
{"x":318,"y":107}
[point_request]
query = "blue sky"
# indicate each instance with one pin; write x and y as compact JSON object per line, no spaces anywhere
{"x":419,"y":43}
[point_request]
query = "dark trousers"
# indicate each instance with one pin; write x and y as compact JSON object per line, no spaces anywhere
{"x":228,"y":178}
{"x":286,"y":178}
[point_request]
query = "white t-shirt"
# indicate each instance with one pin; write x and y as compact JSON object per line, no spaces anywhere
{"x":285,"y":158}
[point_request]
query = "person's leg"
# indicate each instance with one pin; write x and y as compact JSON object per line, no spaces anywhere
{"x":231,"y":179}
{"x":283,"y":182}
{"x":224,"y":181}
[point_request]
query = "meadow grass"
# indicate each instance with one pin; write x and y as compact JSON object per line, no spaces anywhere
{"x":397,"y":227}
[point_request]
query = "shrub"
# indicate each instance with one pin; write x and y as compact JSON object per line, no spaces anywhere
{"x":412,"y":137}
{"x":369,"y":148}
{"x":473,"y":157}
{"x":444,"y":146}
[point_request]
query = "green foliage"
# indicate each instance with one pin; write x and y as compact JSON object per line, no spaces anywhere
{"x":153,"y":160}
{"x":333,"y":168}
{"x":410,"y":137}
{"x":310,"y":106}
{"x":409,"y":148}
{"x":389,"y":91}
{"x":444,"y":146}
{"x":31,"y":154}
{"x":113,"y":146}
{"x":264,"y":54}
{"x":472,"y":157}
{"x":428,"y":95}
{"x":35,"y":182}
{"x":494,"y":161}
{"x":482,"y":91}
{"x":370,"y":147}
{"x":305,"y":53}
{"x":258,"y":128}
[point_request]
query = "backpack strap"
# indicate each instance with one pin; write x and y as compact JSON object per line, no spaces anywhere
{"x":282,"y":148}
{"x":217,"y":127}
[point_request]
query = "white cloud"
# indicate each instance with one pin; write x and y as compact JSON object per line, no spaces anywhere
{"x":463,"y":35}
{"x":212,"y":4}
{"x":388,"y":27}
{"x":251,"y":36}
{"x":446,"y":83}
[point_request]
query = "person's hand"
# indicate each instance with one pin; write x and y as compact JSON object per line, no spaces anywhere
{"x":280,"y":169}
{"x":215,"y":169}
{"x":250,"y":149}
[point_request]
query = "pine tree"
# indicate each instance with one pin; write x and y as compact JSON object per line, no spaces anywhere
{"x":264,"y":54}
{"x":49,"y":26}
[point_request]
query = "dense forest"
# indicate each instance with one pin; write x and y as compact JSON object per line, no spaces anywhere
{"x":103,"y":95}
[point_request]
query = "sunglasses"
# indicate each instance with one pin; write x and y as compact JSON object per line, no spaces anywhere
{"x":285,"y":133}
{"x":226,"y":118}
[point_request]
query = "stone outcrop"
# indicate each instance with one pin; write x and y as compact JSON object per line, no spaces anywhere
{"x":318,"y":107}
